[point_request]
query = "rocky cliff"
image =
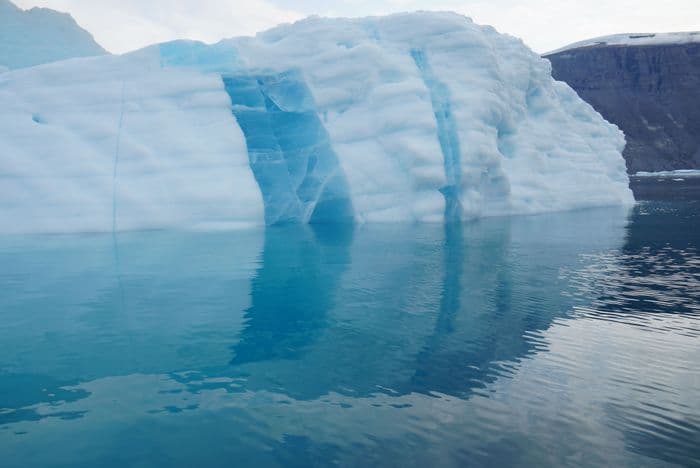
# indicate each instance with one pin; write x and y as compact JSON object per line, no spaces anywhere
{"x":651,"y":91}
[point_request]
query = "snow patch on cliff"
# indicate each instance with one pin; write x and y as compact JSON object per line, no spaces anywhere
{"x":635,"y":39}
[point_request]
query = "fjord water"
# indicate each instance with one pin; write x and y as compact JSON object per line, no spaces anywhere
{"x":554,"y":340}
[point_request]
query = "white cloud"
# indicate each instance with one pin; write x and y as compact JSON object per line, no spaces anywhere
{"x":121,"y":25}
{"x":549,"y":24}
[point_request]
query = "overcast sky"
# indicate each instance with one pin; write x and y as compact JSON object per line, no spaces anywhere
{"x":124,"y":25}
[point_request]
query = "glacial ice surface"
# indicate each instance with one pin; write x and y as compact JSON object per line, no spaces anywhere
{"x":289,"y":150}
{"x":421,"y":117}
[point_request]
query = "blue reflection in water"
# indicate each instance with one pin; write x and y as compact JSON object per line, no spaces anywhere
{"x":555,"y":340}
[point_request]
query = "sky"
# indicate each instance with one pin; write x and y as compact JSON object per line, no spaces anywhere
{"x":124,"y":25}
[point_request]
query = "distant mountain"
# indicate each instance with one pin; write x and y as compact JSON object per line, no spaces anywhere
{"x":647,"y":84}
{"x":40,"y":35}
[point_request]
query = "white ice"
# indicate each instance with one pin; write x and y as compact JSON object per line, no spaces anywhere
{"x":411,"y":117}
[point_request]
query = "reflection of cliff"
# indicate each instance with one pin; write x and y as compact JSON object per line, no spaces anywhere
{"x":419,"y":308}
{"x":656,"y":271}
{"x":668,"y":227}
{"x":650,"y":287}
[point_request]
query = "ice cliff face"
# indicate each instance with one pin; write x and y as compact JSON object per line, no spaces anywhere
{"x":413,"y":117}
{"x":40,"y":35}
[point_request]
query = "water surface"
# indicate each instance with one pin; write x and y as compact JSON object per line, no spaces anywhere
{"x":556,"y":340}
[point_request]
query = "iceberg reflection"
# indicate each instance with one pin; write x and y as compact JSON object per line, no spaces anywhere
{"x":377,"y":344}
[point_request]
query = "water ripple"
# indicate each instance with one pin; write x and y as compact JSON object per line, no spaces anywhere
{"x":560,"y":340}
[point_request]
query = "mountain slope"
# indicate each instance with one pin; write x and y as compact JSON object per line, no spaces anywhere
{"x":648,"y":85}
{"x":40,"y":35}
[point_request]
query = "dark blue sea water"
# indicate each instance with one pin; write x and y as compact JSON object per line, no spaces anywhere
{"x":557,"y":340}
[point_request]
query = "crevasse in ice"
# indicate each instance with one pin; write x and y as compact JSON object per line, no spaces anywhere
{"x":289,"y":150}
{"x":447,"y":133}
{"x":421,"y":117}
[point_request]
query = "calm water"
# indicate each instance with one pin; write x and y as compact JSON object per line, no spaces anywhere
{"x":558,"y":340}
{"x":666,"y":188}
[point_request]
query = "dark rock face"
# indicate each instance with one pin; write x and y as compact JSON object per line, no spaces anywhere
{"x":651,"y":92}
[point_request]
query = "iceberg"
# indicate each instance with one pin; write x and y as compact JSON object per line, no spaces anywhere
{"x":420,"y":117}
